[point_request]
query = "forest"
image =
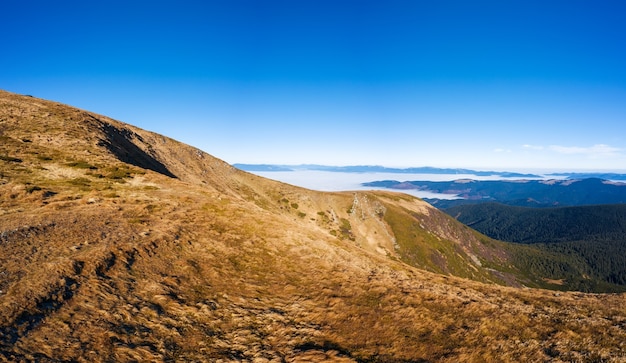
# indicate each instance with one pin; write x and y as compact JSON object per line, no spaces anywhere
{"x":582,"y":247}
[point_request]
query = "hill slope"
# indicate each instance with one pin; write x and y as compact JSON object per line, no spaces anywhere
{"x":118,"y":244}
{"x":545,"y":225}
{"x":589,"y":240}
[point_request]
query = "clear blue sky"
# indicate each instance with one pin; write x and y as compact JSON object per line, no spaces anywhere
{"x":482,"y":84}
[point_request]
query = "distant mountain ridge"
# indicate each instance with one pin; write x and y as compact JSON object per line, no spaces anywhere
{"x":424,"y":170}
{"x":381,"y":169}
{"x":606,"y":176}
{"x":531,"y":193}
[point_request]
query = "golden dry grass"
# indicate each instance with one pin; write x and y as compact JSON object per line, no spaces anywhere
{"x":109,"y":261}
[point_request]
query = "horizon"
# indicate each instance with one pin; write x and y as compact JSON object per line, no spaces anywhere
{"x":543,"y":171}
{"x":342,"y":180}
{"x":486,"y":86}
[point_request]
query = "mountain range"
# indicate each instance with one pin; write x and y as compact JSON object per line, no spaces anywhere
{"x":119,"y":244}
{"x":381,"y":169}
{"x":531,"y":193}
{"x":426,"y":170}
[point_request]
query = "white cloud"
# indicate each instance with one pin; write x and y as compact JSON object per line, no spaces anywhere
{"x":594,"y":152}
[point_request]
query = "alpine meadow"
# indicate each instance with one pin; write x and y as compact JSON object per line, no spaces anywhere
{"x":119,"y":244}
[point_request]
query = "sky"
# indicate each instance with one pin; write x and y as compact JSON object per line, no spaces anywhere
{"x":502,"y":85}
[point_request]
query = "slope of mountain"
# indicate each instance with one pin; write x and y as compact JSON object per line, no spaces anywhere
{"x":530,"y":193}
{"x":545,"y":225}
{"x":117,"y":244}
{"x":590,"y":239}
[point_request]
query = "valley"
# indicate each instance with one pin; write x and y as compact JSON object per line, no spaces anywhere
{"x":581,"y":246}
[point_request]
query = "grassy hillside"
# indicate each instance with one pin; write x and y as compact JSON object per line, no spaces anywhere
{"x":584,"y":247}
{"x":118,"y":244}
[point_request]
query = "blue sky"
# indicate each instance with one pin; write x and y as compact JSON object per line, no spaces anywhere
{"x":482,"y":84}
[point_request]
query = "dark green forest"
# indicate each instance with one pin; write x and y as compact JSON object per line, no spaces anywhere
{"x":583,"y":247}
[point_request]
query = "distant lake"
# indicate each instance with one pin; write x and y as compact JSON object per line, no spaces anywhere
{"x":338,"y":181}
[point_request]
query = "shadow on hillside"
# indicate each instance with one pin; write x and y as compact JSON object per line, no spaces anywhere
{"x":119,"y":142}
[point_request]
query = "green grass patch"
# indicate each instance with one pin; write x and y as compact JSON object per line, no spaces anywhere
{"x":119,"y":173}
{"x":345,"y":230}
{"x":81,"y":182}
{"x":418,"y":247}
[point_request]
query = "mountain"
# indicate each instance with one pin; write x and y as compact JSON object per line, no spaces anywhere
{"x":591,"y":240}
{"x":262,"y":167}
{"x":118,"y":244}
{"x":381,"y":169}
{"x":531,"y":193}
{"x":607,"y":176}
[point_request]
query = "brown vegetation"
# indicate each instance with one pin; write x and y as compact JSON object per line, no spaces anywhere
{"x":117,"y":244}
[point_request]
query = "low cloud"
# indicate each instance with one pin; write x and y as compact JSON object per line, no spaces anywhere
{"x":595,"y":151}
